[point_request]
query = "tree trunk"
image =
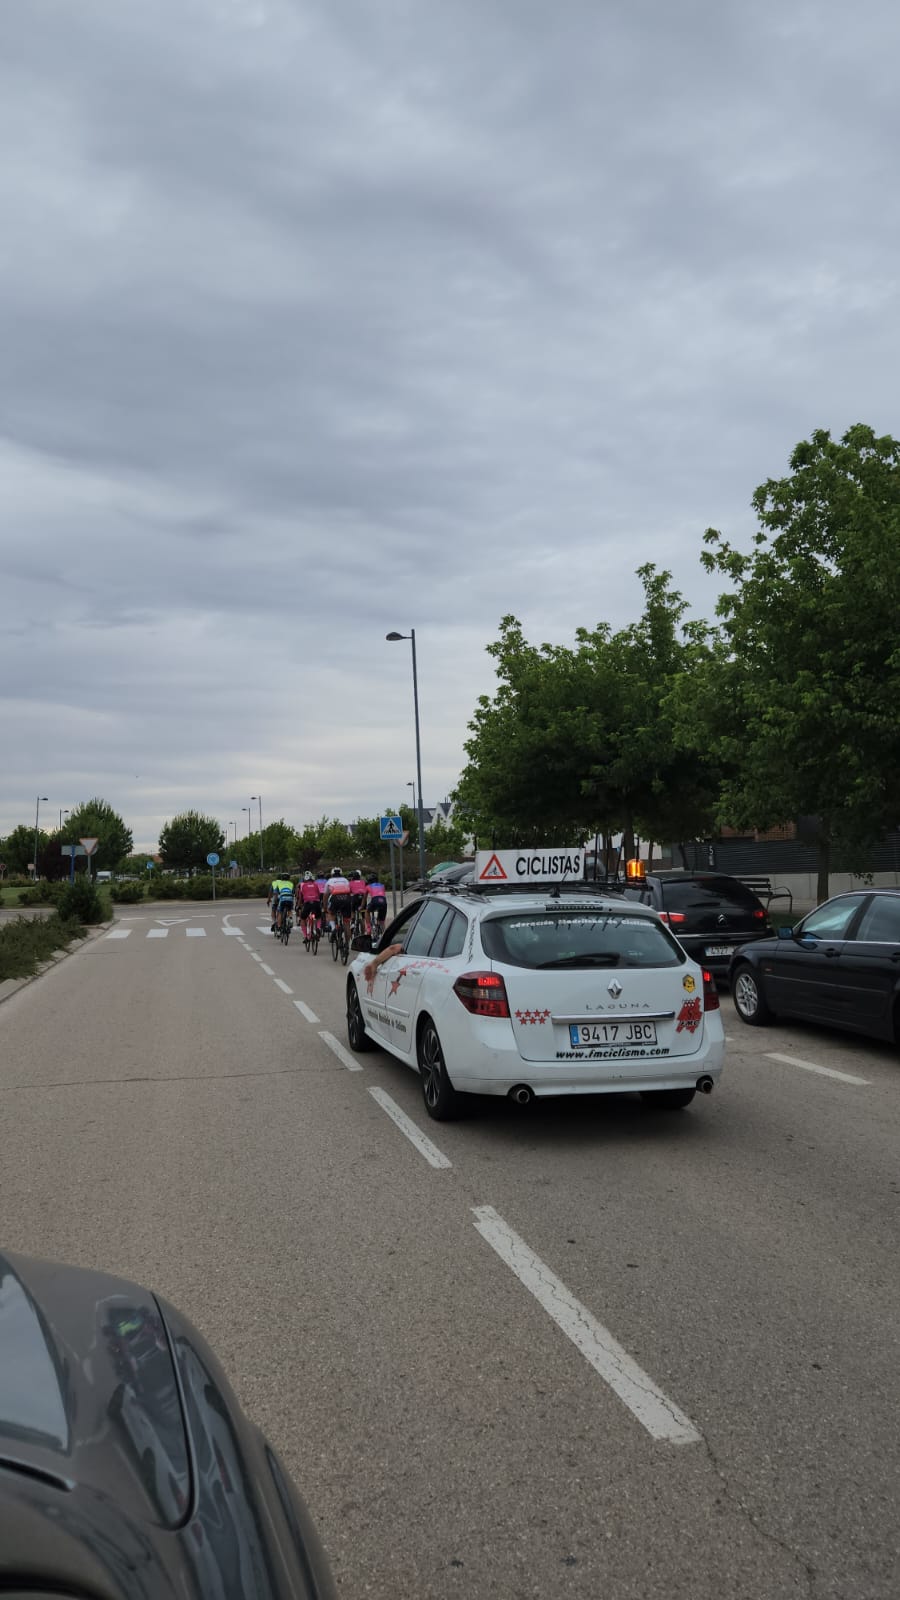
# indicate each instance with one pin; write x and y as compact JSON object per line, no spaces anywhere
{"x":628,"y":838}
{"x":824,"y":869}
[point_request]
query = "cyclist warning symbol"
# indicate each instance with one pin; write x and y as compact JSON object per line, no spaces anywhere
{"x":493,"y":870}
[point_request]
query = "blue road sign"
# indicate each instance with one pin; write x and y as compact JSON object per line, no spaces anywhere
{"x":232,"y":863}
{"x":390,"y":828}
{"x":150,"y":865}
{"x":212,"y":859}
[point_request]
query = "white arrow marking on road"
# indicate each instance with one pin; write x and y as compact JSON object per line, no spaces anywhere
{"x":423,"y":1144}
{"x":653,"y":1410}
{"x":823,"y":1072}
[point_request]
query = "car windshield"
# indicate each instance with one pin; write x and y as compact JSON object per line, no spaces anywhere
{"x":545,"y":939}
{"x":702,"y":893}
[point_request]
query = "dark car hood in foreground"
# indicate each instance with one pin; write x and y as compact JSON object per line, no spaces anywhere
{"x":127,"y":1468}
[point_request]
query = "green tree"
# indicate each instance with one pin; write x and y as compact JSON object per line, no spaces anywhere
{"x":334,"y":843}
{"x":18,"y":848}
{"x":809,"y":664}
{"x":187,"y":840}
{"x":444,"y":840}
{"x":96,"y":819}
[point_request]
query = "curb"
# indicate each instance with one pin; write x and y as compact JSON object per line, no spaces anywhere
{"x":11,"y":986}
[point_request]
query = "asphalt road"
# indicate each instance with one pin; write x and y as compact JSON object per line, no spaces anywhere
{"x":445,"y":1392}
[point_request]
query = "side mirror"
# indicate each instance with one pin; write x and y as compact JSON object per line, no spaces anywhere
{"x":362,"y":942}
{"x":785,"y":933}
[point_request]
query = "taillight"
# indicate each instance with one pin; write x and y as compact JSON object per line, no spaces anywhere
{"x":710,"y":992}
{"x":672,"y":916}
{"x":482,"y":993}
{"x":760,"y":915}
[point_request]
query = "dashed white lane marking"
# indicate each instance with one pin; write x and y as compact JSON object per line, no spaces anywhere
{"x":158,"y":933}
{"x":812,"y":1066}
{"x":337,"y":1049}
{"x":119,"y":933}
{"x":306,"y":1011}
{"x":659,"y":1415}
{"x":195,"y":933}
{"x":267,"y":970}
{"x":423,"y":1144}
{"x":280,"y":984}
{"x":256,"y":957}
{"x":235,"y":932}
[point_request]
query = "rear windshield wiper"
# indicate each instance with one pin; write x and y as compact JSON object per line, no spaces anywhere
{"x":607,"y":958}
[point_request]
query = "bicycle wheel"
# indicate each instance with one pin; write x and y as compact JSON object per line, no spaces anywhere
{"x":345,"y":947}
{"x":314,"y":941}
{"x":288,"y":925}
{"x":334,"y":938}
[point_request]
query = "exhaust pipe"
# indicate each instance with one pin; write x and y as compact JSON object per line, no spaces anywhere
{"x":705,"y":1085}
{"x":522,"y":1095}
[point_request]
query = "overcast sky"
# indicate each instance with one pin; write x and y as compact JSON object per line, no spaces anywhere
{"x":324,"y":317}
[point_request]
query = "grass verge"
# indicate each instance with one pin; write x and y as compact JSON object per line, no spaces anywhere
{"x":28,"y":941}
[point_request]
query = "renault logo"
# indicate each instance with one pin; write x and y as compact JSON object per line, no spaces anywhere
{"x":615,"y":988}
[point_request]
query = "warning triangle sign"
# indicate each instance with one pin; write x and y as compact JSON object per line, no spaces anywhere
{"x":493,"y":871}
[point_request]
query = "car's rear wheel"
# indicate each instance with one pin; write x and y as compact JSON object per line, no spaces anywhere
{"x":668,"y":1099}
{"x":749,"y":1001}
{"x":442,"y":1102}
{"x":356,"y":1027}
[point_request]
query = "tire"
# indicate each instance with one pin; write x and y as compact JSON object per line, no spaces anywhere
{"x":442,"y":1102}
{"x":314,"y":942}
{"x":345,"y":949}
{"x":334,"y":946}
{"x":287,"y":933}
{"x":667,"y":1099}
{"x":749,"y":1001}
{"x":356,"y":1027}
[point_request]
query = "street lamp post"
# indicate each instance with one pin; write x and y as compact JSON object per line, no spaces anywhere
{"x":234,"y":826}
{"x":259,"y":798}
{"x":37,"y":813}
{"x":63,"y":812}
{"x":248,"y":810}
{"x":392,"y":638}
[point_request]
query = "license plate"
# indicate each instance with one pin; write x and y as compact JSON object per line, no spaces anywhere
{"x":588,"y":1035}
{"x":717,"y":950}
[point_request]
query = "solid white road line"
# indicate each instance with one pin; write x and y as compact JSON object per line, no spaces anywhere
{"x":267,"y":970}
{"x":337,"y":1049}
{"x":195,"y":933}
{"x":280,"y":984}
{"x":305,"y":1011}
{"x":423,"y":1144}
{"x":812,"y":1066}
{"x":157,"y":933}
{"x":119,"y":933}
{"x":661,"y":1418}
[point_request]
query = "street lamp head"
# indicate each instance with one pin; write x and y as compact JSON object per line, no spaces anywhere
{"x":393,"y":637}
{"x":43,"y":797}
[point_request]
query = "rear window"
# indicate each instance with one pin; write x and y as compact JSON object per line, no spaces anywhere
{"x":546,"y":939}
{"x":701,"y":893}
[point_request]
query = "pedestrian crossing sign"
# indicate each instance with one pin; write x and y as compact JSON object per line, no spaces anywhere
{"x":391,"y":828}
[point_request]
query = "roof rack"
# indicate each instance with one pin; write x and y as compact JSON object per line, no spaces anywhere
{"x":547,"y":886}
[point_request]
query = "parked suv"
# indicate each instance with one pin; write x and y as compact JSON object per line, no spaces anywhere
{"x":708,"y":912}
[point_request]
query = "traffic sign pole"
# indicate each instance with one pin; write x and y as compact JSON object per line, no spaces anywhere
{"x":393,"y":883}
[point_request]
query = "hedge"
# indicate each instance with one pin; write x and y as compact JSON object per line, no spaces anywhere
{"x":30,"y":940}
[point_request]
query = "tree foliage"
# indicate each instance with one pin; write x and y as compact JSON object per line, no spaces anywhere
{"x":807,"y":669}
{"x":577,"y":741}
{"x":188,"y":839}
{"x":17,"y":848}
{"x":96,"y":819}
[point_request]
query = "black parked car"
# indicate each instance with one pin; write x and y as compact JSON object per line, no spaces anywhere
{"x":840,"y":965}
{"x":128,"y":1470}
{"x":709,"y":913}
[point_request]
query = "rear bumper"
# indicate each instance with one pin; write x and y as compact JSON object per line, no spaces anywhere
{"x":593,"y":1077}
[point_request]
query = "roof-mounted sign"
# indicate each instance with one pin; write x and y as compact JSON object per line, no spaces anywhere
{"x":549,"y":864}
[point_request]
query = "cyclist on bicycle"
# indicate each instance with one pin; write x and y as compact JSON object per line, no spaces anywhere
{"x":337,"y":900}
{"x":284,"y":902}
{"x":376,"y":906}
{"x":309,"y":899}
{"x":273,"y":896}
{"x":357,"y":897}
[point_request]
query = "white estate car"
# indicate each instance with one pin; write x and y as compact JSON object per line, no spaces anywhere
{"x":530,"y":992}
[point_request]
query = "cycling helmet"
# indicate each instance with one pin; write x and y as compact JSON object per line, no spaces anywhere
{"x":307,"y":877}
{"x":337,"y":872}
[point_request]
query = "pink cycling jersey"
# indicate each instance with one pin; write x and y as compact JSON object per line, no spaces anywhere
{"x":310,"y":891}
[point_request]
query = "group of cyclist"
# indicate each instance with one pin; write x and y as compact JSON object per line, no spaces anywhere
{"x":320,"y":902}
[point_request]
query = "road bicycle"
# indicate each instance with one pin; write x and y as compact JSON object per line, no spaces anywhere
{"x":311,"y":932}
{"x":287,"y":922}
{"x":340,"y":944}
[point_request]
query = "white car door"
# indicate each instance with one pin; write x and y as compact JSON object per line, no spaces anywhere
{"x":373,"y":998}
{"x":404,"y":975}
